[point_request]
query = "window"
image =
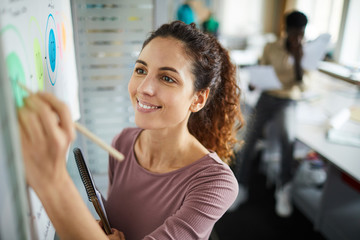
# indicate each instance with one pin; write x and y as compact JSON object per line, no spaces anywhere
{"x":349,"y":49}
{"x":326,"y":16}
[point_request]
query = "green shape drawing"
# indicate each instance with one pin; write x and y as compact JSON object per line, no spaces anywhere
{"x":16,"y":74}
{"x":38,"y":65}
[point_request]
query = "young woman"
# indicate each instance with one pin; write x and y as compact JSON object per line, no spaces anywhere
{"x":278,"y":106}
{"x":174,"y":182}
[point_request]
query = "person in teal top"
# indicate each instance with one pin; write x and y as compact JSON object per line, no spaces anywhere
{"x":186,"y":14}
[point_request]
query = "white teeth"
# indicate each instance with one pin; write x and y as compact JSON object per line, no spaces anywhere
{"x":146,"y":106}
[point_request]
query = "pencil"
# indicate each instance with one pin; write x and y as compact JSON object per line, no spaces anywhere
{"x":115,"y":153}
{"x":112,"y":151}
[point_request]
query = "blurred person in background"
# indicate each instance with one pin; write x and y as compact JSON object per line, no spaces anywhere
{"x":285,"y":56}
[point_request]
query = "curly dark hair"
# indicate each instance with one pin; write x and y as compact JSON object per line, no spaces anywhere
{"x":216,"y":124}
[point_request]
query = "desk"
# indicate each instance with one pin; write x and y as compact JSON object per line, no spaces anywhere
{"x":334,"y":209}
{"x":346,"y":158}
{"x":340,"y":71}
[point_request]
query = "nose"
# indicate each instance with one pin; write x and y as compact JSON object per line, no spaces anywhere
{"x":147,"y":85}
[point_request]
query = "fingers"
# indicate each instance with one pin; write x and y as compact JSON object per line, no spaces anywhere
{"x":24,"y":139}
{"x":100,"y":223}
{"x":63,"y":112}
{"x":53,"y":114}
{"x":45,"y":131}
{"x":31,"y":130}
{"x":45,"y":122}
{"x":48,"y":119}
{"x":122,"y":236}
{"x":116,"y":235}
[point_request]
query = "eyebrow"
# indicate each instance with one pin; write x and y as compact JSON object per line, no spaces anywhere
{"x":162,"y":68}
{"x":141,"y":62}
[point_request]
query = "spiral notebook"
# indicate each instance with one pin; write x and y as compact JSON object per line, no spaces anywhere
{"x":93,"y":194}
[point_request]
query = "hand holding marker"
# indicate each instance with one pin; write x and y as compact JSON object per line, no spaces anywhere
{"x":112,"y":151}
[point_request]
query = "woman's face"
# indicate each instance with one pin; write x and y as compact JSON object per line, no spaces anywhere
{"x":161,"y":87}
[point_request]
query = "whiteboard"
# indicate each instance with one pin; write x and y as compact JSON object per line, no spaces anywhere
{"x":14,"y":207}
{"x":36,"y":38}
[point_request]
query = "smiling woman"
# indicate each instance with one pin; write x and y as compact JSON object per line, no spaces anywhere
{"x":174,"y":182}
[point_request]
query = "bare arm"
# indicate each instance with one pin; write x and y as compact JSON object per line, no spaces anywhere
{"x":68,"y":213}
{"x":46,"y":131}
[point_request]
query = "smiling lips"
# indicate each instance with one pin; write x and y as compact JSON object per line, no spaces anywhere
{"x":146,"y":107}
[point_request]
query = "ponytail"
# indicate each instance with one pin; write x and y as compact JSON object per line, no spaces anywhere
{"x":215,"y":126}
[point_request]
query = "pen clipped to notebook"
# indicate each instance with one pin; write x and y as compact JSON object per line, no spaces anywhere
{"x":93,"y":194}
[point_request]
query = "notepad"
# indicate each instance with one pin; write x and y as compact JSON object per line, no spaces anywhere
{"x":314,"y":51}
{"x":347,"y":134}
{"x":263,"y":77}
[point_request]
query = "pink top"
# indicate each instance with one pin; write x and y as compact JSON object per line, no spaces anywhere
{"x":181,"y":204}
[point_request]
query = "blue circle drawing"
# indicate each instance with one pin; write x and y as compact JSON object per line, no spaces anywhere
{"x":52,"y":50}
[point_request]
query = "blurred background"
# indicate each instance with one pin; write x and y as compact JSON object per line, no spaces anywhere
{"x":247,"y":25}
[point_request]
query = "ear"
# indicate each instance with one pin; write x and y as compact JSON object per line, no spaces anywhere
{"x":200,"y":99}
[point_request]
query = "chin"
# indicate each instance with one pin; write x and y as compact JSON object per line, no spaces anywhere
{"x":145,"y":124}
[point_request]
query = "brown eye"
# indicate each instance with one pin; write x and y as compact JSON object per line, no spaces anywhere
{"x":168,"y":79}
{"x":140,"y":71}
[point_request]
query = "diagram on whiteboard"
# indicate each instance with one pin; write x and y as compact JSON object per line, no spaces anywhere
{"x":38,"y":52}
{"x":36,"y":39}
{"x":15,"y":58}
{"x":51,"y":49}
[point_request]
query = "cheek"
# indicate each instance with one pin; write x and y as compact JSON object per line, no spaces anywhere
{"x":132,"y":87}
{"x":180,"y":104}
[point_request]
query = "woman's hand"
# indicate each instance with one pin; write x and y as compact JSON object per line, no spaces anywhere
{"x":46,"y":131}
{"x":116,"y":235}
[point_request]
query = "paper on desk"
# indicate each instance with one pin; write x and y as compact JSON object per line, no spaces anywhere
{"x":344,"y":130}
{"x":347,"y":134}
{"x":307,"y":114}
{"x":314,"y":51}
{"x":263,"y":77}
{"x":339,"y":119}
